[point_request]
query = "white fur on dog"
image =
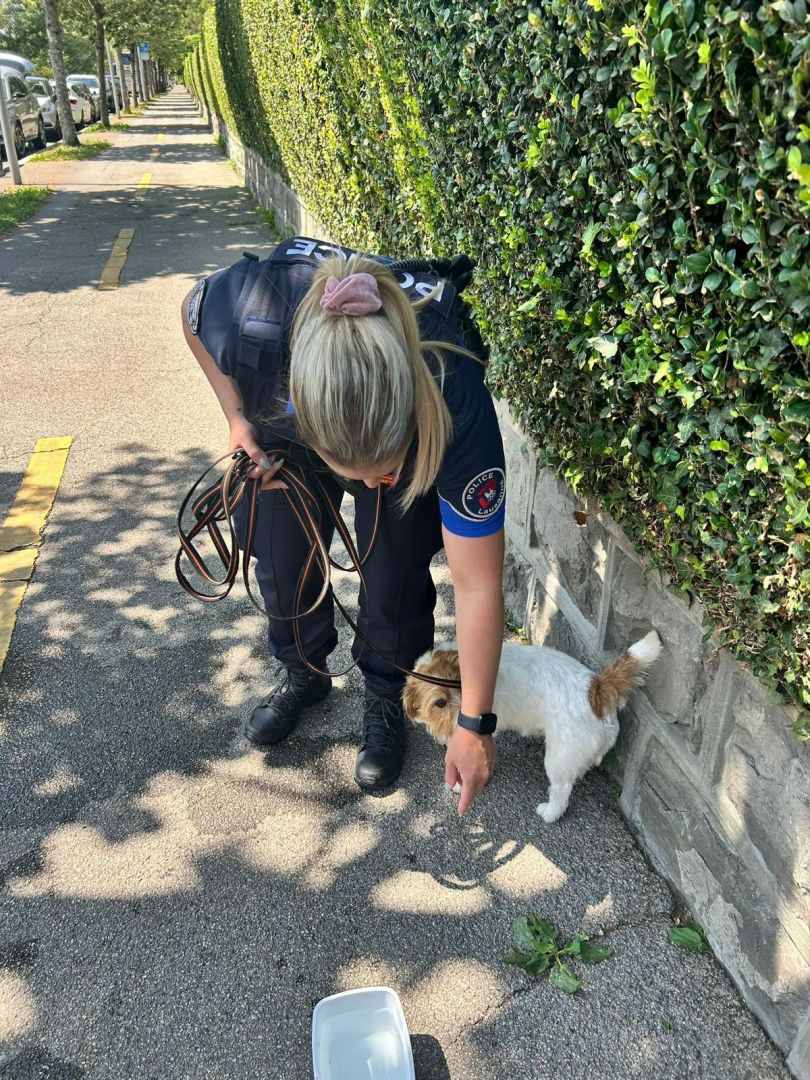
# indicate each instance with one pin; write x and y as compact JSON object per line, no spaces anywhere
{"x":541,"y":691}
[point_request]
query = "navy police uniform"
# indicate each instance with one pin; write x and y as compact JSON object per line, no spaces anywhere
{"x":243,"y":315}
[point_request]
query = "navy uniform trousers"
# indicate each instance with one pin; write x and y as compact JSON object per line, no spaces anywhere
{"x":396,"y":607}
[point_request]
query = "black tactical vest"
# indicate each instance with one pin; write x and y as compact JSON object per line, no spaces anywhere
{"x":268,"y":301}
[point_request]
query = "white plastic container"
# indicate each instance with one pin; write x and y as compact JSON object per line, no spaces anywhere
{"x":361,"y":1035}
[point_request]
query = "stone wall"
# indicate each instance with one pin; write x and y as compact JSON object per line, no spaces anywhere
{"x":269,"y":189}
{"x":713,"y":782}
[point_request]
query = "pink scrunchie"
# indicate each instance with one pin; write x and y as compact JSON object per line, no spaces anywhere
{"x":357,"y":294}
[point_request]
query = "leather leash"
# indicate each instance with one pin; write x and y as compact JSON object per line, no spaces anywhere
{"x":217,"y":504}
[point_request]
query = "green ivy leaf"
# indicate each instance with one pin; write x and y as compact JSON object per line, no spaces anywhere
{"x":589,"y":234}
{"x":607,"y":347}
{"x":529,"y":305}
{"x":661,"y":371}
{"x":798,"y":410}
{"x":698,"y":264}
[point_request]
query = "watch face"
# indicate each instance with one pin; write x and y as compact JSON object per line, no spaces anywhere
{"x":486,"y":724}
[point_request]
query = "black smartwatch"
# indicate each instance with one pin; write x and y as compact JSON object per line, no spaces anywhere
{"x":484,"y":724}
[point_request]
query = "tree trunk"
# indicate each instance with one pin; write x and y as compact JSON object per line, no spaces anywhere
{"x":133,"y":69}
{"x":98,"y":12}
{"x":53,"y":28}
{"x":122,"y":75}
{"x":111,"y":66}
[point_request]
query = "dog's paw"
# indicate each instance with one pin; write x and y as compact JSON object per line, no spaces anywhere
{"x":548,"y":812}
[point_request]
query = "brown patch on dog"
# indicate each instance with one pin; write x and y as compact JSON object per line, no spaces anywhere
{"x":410,"y":698}
{"x":611,"y":688}
{"x":434,"y":706}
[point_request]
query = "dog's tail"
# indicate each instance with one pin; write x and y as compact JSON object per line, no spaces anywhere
{"x":611,"y":688}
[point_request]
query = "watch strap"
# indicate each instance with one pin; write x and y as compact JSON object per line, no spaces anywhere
{"x":484,"y":724}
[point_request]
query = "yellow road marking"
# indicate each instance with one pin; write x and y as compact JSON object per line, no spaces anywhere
{"x":161,"y":136}
{"x":111,"y":274}
{"x":21,"y":532}
{"x":145,"y":180}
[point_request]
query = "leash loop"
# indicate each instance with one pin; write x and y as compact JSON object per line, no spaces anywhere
{"x":218,"y":503}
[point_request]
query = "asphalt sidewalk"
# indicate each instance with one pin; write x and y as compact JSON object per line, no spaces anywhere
{"x":172,"y":903}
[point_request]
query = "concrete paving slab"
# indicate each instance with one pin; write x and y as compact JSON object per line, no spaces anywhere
{"x":173,"y":903}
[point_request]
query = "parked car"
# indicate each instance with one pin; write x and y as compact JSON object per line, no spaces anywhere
{"x":24,"y":113}
{"x":16,"y":63}
{"x":45,"y":93}
{"x":91,"y":83}
{"x":84,"y":100}
{"x":78,"y":106}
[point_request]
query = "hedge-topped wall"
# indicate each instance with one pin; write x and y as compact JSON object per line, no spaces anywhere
{"x":635,"y":181}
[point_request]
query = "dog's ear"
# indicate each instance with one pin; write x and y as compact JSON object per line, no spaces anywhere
{"x":410,"y":699}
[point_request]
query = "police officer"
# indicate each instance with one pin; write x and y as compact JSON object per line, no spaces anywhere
{"x":366,"y":360}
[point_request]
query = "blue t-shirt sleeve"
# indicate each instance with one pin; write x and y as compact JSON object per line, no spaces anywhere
{"x":213,"y":315}
{"x":471,"y":482}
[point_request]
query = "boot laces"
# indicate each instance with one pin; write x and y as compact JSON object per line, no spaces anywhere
{"x":382,"y":721}
{"x":289,"y":679}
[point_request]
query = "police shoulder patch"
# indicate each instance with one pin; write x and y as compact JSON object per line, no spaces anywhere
{"x":195,"y":300}
{"x":484,"y":494}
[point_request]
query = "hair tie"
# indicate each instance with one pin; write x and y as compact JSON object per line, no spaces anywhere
{"x":357,"y":294}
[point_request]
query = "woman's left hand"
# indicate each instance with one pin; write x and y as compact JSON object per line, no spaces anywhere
{"x":470,"y":760}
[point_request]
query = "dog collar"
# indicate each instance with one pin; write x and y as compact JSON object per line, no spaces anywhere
{"x":484,"y":724}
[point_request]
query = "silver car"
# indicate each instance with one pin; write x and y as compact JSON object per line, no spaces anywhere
{"x":43,"y":90}
{"x":21,"y":64}
{"x":24,"y":113}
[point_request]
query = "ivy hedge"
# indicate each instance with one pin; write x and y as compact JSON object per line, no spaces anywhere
{"x":222,"y":48}
{"x":635,"y":181}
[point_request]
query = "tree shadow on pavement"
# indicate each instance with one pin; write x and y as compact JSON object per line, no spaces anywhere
{"x":66,"y":245}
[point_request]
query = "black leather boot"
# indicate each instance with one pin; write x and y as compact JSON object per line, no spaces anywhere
{"x":275,"y":718}
{"x":382,"y":742}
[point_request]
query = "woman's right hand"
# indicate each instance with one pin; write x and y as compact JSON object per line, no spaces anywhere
{"x":243,"y":435}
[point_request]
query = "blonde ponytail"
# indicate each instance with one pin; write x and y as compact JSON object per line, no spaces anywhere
{"x":360,"y":385}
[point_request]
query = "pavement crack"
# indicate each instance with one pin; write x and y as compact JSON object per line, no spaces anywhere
{"x":490,"y":1010}
{"x":629,"y":924}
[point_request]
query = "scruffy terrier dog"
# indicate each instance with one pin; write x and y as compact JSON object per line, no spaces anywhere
{"x":541,"y":692}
